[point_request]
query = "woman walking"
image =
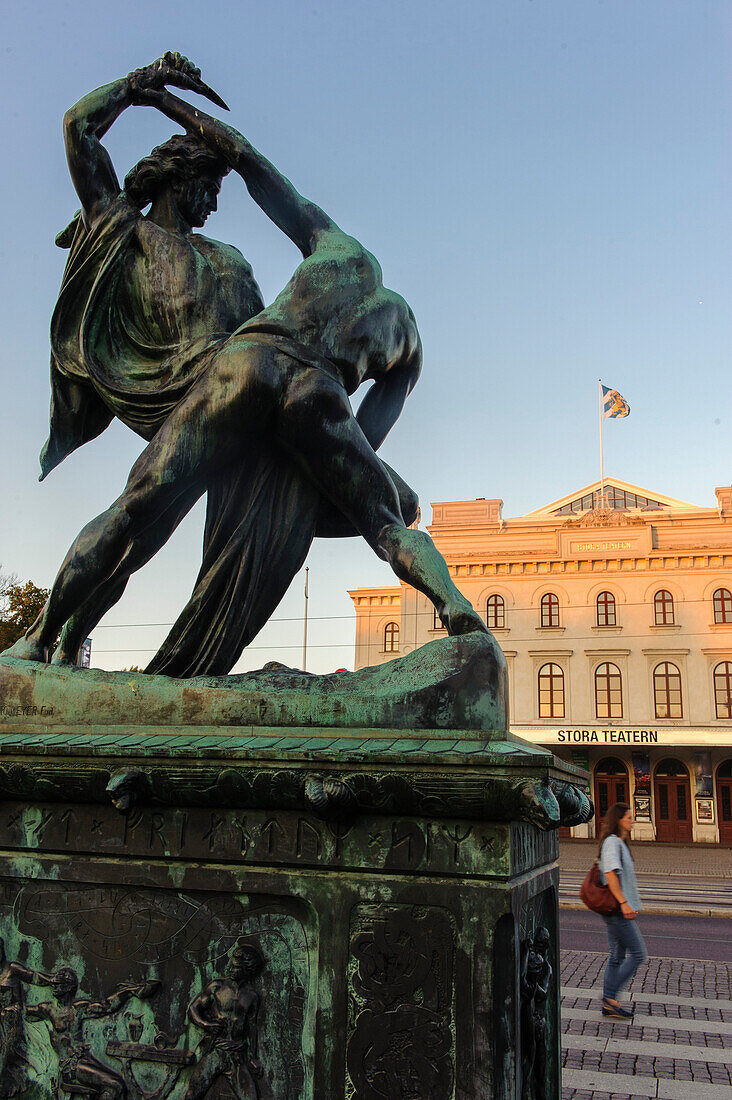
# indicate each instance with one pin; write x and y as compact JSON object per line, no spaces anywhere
{"x":627,"y":949}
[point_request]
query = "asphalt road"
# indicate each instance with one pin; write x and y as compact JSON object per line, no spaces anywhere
{"x":682,"y":937}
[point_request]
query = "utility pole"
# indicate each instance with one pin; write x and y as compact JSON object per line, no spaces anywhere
{"x":305,"y":631}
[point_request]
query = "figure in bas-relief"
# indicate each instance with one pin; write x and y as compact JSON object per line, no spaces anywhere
{"x":536,"y":975}
{"x":162,"y":327}
{"x":13,"y":1047}
{"x":227,"y":1011}
{"x":66,"y":1018}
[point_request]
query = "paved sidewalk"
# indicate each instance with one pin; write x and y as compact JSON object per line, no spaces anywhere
{"x":650,"y":857}
{"x":678,"y":1046}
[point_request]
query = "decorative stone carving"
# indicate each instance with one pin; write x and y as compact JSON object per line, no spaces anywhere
{"x":535,"y":981}
{"x":401,"y":1041}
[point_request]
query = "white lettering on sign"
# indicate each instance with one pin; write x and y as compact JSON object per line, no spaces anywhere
{"x":613,"y":737}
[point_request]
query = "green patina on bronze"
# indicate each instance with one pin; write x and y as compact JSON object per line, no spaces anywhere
{"x":251,"y":405}
{"x":452,"y":683}
{"x":269,"y":886}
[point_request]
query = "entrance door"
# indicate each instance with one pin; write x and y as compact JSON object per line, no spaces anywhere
{"x":673,"y":802}
{"x":724,"y":801}
{"x":611,"y":786}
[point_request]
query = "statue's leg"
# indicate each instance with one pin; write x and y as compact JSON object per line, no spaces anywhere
{"x":317,"y":424}
{"x":220,"y":420}
{"x":78,"y":628}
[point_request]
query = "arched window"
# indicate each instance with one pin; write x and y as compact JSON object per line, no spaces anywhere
{"x":667,"y":691}
{"x":495,"y":612}
{"x":723,"y":689}
{"x":551,"y":691}
{"x":608,"y":691}
{"x":391,"y":638}
{"x":722,"y":600}
{"x":549,"y":609}
{"x":606,"y":609}
{"x":663,"y":608}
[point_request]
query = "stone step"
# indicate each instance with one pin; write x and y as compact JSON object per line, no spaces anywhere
{"x":626,"y":1084}
{"x":666,"y":1023}
{"x":644,"y":1048}
{"x":721,"y":1003}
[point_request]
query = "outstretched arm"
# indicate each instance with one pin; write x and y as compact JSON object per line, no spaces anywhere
{"x":300,"y":219}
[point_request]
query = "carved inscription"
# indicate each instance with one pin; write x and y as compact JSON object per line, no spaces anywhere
{"x":236,"y":836}
{"x":401,"y":1039}
{"x":19,"y":711}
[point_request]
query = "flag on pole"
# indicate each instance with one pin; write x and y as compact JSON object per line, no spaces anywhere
{"x":613,"y":404}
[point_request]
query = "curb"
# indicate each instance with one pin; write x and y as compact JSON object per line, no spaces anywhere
{"x":662,"y":910}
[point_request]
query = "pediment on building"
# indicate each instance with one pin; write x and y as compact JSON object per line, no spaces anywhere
{"x":618,"y":502}
{"x":604,"y":517}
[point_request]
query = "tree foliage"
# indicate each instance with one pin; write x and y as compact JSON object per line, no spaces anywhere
{"x":20,"y":605}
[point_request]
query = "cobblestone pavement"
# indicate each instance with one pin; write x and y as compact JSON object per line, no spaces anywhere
{"x":650,"y":857}
{"x":677,"y":1047}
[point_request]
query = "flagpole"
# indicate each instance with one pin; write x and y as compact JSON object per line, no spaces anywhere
{"x":602,"y":467}
{"x":305,"y":630}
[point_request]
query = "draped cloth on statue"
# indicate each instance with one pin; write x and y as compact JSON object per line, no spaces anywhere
{"x":108,"y":360}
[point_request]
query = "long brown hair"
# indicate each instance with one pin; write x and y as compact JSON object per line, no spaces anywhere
{"x":610,"y":824}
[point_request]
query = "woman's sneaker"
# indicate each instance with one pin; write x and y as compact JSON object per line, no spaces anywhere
{"x":616,"y":1011}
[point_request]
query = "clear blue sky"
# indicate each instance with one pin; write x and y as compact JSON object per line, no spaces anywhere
{"x":545,"y":181}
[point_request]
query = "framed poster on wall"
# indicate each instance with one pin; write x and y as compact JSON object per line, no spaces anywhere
{"x":705,"y":810}
{"x":642,"y":807}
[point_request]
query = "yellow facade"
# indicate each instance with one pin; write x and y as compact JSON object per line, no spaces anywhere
{"x":614,"y":616}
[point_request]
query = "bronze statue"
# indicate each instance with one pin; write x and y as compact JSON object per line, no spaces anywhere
{"x":155,"y":325}
{"x":226,"y":1011}
{"x":66,"y":1018}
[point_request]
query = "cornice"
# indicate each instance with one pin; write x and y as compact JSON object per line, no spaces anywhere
{"x":520,"y":562}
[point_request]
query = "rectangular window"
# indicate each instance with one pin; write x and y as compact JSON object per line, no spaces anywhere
{"x":663,"y":802}
{"x":681,"y":802}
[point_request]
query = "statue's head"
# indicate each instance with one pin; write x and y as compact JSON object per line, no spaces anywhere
{"x":246,"y":962}
{"x":542,"y":940}
{"x":65,"y":982}
{"x":186,"y":166}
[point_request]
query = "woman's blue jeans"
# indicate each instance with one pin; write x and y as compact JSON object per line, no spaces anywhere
{"x":627,"y":952}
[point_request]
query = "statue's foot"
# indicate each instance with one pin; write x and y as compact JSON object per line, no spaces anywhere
{"x":62,"y":656}
{"x":27,"y":650}
{"x":463,"y":619}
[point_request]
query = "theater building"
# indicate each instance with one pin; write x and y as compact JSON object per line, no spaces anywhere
{"x":615,"y":618}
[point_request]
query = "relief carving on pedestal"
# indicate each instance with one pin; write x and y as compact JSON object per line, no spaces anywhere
{"x":401,"y":1017}
{"x":206,"y":1015}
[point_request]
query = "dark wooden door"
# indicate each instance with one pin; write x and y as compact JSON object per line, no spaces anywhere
{"x":673,"y":808}
{"x":609,"y":789}
{"x":724,"y":803}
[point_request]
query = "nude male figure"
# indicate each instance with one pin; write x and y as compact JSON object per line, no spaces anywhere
{"x":226,"y":1011}
{"x":285,"y":376}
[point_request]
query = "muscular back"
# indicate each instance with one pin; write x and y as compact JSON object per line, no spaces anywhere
{"x":336,"y":302}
